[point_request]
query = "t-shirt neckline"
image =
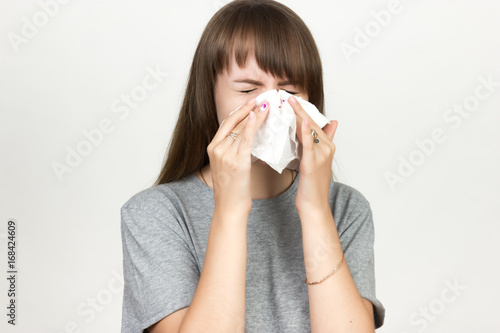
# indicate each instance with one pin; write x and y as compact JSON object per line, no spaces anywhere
{"x":292,"y":189}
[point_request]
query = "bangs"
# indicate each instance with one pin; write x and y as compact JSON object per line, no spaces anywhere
{"x":282,"y":44}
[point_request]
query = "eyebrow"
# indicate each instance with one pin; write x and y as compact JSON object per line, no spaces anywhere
{"x":258,"y":83}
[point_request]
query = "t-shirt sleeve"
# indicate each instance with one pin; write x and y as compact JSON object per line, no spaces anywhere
{"x":159,"y":269}
{"x":357,"y":239}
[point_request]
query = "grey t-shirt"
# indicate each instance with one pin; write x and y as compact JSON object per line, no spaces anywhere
{"x":165,"y":232}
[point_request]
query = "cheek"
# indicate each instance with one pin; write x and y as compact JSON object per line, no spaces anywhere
{"x":220,"y":105}
{"x":304,"y":96}
{"x":223,"y":109}
{"x":226,"y":105}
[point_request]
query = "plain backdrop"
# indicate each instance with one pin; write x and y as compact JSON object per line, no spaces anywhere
{"x":416,"y":94}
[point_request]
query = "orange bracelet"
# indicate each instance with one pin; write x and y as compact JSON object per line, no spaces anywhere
{"x":326,"y":277}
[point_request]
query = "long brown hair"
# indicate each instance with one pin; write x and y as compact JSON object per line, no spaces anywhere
{"x":283,"y":46}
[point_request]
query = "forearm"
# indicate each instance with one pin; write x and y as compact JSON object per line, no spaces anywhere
{"x":219,"y":301}
{"x":335,"y":304}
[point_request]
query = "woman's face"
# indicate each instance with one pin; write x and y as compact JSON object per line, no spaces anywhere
{"x":237,"y":85}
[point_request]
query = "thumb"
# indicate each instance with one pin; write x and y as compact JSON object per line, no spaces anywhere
{"x":330,"y":129}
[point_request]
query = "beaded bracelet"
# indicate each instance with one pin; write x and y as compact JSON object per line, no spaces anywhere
{"x":326,"y":277}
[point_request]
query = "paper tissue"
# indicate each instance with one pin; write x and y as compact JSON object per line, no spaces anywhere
{"x":276,"y":142}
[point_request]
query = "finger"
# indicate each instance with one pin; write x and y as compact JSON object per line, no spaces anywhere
{"x":232,"y":145}
{"x":299,"y":121}
{"x":228,"y":141}
{"x":330,"y":129}
{"x":300,"y":114}
{"x":245,"y":144}
{"x":233,"y":120}
{"x":308,"y":143}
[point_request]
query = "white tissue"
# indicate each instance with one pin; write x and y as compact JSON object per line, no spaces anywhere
{"x":276,"y":142}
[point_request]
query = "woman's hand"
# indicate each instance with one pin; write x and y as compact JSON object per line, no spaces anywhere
{"x":316,"y":162}
{"x":230,"y":162}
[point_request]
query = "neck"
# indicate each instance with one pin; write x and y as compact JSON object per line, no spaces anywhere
{"x":266,"y":182}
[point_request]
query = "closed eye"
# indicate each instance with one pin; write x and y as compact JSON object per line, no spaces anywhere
{"x":249,"y":91}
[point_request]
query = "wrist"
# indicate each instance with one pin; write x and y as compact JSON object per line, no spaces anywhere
{"x":231,"y":214}
{"x":319,"y":208}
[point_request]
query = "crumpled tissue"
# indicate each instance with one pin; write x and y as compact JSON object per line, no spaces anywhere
{"x":276,"y":142}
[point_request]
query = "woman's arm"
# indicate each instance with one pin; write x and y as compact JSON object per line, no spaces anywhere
{"x":218,"y":304}
{"x":335,"y":304}
{"x":219,"y":301}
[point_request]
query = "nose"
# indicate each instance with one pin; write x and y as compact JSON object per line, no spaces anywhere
{"x":272,"y":83}
{"x":267,"y":87}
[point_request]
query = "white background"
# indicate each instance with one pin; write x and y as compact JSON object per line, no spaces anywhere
{"x":435,"y":228}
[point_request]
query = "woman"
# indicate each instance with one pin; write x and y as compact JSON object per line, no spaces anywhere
{"x":221,"y":244}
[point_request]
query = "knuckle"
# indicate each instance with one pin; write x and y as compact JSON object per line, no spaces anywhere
{"x":218,"y":152}
{"x":246,"y":150}
{"x":247,"y":139}
{"x":230,"y":163}
{"x":331,"y":148}
{"x":233,"y":166}
{"x":225,"y":159}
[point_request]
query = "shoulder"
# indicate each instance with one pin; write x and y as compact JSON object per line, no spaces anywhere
{"x":347,"y":197}
{"x":164,"y":205}
{"x":352,"y":215}
{"x":168,"y":194}
{"x":349,"y":207}
{"x":161,"y":210}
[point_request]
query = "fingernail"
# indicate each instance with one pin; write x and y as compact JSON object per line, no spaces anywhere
{"x":263,"y":107}
{"x":252,"y":115}
{"x":292,"y":99}
{"x":250,"y":102}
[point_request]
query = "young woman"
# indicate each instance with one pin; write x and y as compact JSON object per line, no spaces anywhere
{"x":221,"y":244}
